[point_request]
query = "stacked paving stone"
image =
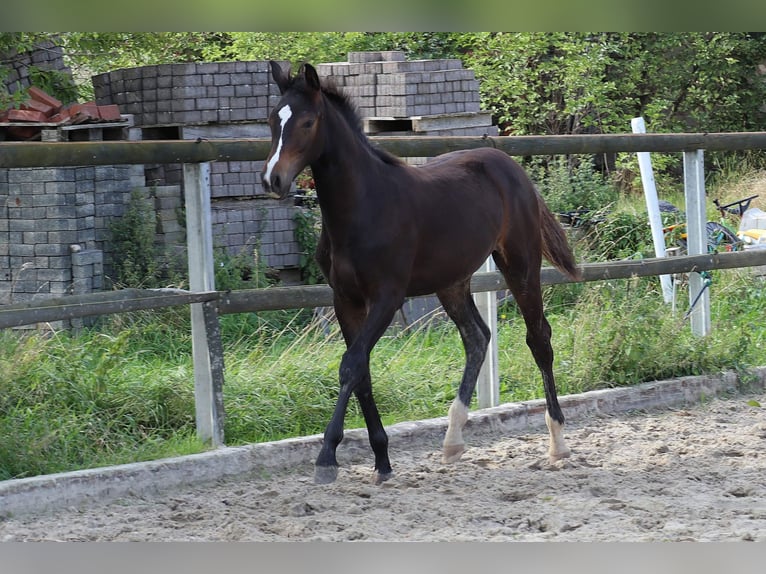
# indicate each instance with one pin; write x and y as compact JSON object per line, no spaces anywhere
{"x":388,"y":88}
{"x":54,"y":222}
{"x":168,"y":207}
{"x":219,"y":100}
{"x":267,"y":234}
{"x":223,"y":100}
{"x":47,"y":56}
{"x":57,"y":223}
{"x":190,"y":94}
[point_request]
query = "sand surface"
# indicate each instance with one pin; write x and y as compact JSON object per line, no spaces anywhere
{"x":696,"y":473}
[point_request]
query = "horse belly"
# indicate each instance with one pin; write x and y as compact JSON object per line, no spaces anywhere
{"x":452,"y":253}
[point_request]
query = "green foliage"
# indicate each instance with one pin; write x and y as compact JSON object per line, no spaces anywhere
{"x":602,"y":347}
{"x":241,"y":271}
{"x":620,"y":235}
{"x":543,"y":83}
{"x":317,"y":47}
{"x":570,"y":183}
{"x":568,"y":83}
{"x":125,"y":392}
{"x":92,"y":400}
{"x":133,"y":238}
{"x":307,"y":228}
{"x":54,"y":82}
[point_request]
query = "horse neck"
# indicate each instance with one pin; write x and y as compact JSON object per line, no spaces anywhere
{"x":339,"y":171}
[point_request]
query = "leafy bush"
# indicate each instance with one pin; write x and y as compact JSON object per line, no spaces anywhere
{"x":307,"y":229}
{"x":133,"y":239}
{"x":620,"y":235}
{"x":570,"y":183}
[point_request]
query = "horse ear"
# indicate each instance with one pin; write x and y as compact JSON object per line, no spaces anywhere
{"x":312,"y":78}
{"x":281,"y":77}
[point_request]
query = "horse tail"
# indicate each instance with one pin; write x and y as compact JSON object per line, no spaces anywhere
{"x":556,"y":248}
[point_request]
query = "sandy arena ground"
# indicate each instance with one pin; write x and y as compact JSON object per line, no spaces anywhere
{"x":672,"y":475}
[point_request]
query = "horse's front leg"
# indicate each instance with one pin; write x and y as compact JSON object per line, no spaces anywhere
{"x":361,"y":330}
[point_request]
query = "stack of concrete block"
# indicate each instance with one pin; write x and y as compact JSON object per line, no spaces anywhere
{"x":386,"y":85}
{"x":45,"y":56}
{"x":168,"y":208}
{"x":5,"y":243}
{"x":223,"y":100}
{"x":51,"y":213}
{"x":190,"y":94}
{"x":239,"y":227}
{"x":87,"y":270}
{"x":400,"y":97}
{"x":229,"y":179}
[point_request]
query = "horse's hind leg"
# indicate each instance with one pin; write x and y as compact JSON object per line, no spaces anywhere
{"x":526,"y":290}
{"x":459,"y":305}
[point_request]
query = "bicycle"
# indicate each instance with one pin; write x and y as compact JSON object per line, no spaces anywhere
{"x":720,"y":237}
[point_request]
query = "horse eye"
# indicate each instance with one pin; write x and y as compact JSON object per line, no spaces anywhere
{"x":307,"y":124}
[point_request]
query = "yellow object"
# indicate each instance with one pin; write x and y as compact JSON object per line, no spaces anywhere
{"x":753,"y":235}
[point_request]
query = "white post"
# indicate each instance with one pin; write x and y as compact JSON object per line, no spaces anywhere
{"x":696,"y":227}
{"x":206,"y":351}
{"x":488,"y":383}
{"x":652,"y":207}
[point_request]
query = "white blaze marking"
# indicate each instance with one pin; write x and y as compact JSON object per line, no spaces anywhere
{"x":284,"y":114}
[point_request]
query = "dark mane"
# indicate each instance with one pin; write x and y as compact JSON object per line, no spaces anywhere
{"x":345,"y":105}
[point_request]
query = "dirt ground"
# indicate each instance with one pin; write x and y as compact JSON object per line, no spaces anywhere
{"x":673,"y":475}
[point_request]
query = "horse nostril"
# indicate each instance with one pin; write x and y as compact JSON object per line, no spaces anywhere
{"x":275,"y":181}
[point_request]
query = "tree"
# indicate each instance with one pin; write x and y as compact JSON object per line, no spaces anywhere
{"x":15,"y":48}
{"x":566,"y":83}
{"x":534,"y":83}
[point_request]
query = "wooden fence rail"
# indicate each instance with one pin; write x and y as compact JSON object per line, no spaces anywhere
{"x":93,"y":304}
{"x":306,"y":296}
{"x":275,"y":298}
{"x":62,"y":154}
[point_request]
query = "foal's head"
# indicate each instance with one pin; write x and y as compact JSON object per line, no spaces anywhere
{"x":295,"y":124}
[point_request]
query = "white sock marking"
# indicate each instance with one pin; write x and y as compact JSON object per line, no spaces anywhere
{"x":284,"y":114}
{"x":458,"y":415}
{"x":558,"y":447}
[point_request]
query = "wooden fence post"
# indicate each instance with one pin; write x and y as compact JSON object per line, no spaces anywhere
{"x":206,"y":336}
{"x":696,"y":228}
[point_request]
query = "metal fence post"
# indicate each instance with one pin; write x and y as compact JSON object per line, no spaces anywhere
{"x":652,"y":206}
{"x":488,"y":383}
{"x":696,"y":227}
{"x":206,"y":337}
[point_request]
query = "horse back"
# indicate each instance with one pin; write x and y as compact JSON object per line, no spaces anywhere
{"x":467,"y":204}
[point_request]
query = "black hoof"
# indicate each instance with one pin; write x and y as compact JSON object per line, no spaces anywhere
{"x":325,"y":474}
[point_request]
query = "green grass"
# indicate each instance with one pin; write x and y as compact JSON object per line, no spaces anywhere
{"x":123,"y":391}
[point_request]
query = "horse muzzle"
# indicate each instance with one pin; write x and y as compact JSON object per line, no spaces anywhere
{"x":276,"y":186}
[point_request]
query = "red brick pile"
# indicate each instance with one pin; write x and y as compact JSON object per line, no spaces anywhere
{"x":42,"y":110}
